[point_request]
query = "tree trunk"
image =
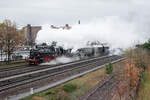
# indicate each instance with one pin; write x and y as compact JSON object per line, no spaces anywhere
{"x":1,"y":54}
{"x":8,"y":51}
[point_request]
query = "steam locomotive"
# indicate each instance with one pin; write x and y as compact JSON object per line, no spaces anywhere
{"x":45,"y":53}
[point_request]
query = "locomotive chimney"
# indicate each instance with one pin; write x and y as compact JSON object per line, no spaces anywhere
{"x":79,"y":22}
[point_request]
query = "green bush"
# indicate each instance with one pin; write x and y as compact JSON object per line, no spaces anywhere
{"x":109,"y":68}
{"x":143,"y":77}
{"x":146,"y":45}
{"x":70,"y":87}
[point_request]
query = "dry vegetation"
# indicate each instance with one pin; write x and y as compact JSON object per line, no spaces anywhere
{"x":133,"y":74}
{"x":129,"y":79}
{"x":76,"y":87}
{"x":144,"y":90}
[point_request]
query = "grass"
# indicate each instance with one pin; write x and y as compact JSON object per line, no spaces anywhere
{"x":144,"y":90}
{"x":12,"y":64}
{"x":73,"y":89}
{"x":68,"y":88}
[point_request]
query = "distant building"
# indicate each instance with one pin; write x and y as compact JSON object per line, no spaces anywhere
{"x":66,"y":27}
{"x":30,"y":33}
{"x":54,"y":27}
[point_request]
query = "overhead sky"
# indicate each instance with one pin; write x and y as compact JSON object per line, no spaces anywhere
{"x":116,"y":21}
{"x":60,"y":12}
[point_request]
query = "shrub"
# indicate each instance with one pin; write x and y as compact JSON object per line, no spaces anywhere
{"x":109,"y":68}
{"x":140,"y":56}
{"x":131,"y":73}
{"x":70,"y":87}
{"x":143,"y":77}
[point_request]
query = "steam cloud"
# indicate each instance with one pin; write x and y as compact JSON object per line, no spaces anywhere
{"x":115,"y":31}
{"x":60,"y":60}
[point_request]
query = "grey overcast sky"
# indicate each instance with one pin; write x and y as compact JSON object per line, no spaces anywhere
{"x":59,"y":12}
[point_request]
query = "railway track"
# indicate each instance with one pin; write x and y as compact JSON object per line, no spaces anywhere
{"x":106,"y":89}
{"x":16,"y":80}
{"x":7,"y":72}
{"x":102,"y":91}
{"x":22,"y":69}
{"x":24,"y":66}
{"x":14,"y":67}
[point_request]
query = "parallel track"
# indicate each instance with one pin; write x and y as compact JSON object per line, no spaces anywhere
{"x":103,"y":91}
{"x":13,"y":81}
{"x":7,"y":72}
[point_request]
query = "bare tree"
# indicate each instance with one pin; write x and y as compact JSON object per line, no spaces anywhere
{"x":1,"y":39}
{"x":11,"y":38}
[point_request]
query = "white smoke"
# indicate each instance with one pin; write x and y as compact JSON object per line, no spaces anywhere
{"x":61,"y":60}
{"x":115,"y":31}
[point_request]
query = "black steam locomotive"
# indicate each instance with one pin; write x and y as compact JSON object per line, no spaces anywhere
{"x":45,"y":53}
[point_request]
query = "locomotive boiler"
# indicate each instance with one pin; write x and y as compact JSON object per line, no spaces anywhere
{"x":46,"y":53}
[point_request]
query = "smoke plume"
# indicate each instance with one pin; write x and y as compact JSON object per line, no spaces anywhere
{"x":61,"y":60}
{"x":113,"y":30}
